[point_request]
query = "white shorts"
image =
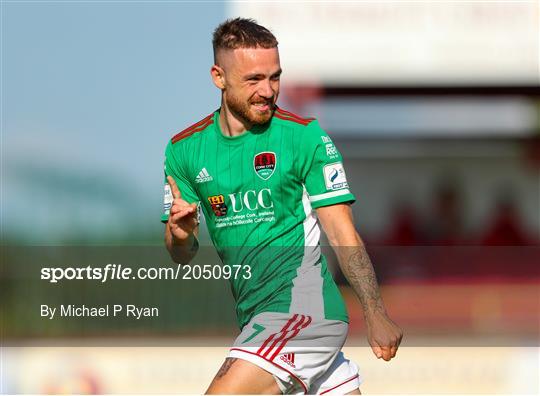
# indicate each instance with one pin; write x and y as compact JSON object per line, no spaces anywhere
{"x":303,"y":354}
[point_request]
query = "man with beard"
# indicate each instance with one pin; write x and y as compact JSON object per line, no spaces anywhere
{"x":262,"y":176}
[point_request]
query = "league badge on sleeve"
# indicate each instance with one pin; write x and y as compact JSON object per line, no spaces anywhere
{"x":265,"y":164}
{"x":167,"y":199}
{"x":334,"y":176}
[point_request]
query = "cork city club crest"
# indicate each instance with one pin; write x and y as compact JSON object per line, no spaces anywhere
{"x":265,"y":164}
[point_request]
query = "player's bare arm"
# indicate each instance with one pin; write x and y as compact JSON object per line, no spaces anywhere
{"x":182,"y":228}
{"x":384,"y":335}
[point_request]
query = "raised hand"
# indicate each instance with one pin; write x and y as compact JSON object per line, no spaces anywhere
{"x":183,"y":215}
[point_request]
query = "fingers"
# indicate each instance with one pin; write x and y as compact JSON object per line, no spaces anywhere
{"x":181,"y":209}
{"x":181,"y":205}
{"x":377,"y":350}
{"x":181,"y":212}
{"x":395,"y":345}
{"x":385,"y":353}
{"x":174,"y":187}
{"x":385,"y":350}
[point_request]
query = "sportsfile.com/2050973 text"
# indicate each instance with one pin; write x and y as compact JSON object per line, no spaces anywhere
{"x":122,"y":272}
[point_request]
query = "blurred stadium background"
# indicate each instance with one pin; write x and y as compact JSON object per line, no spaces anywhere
{"x":434,"y":105}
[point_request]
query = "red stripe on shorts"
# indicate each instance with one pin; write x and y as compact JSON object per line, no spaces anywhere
{"x":277,"y":365}
{"x":283,"y":334}
{"x":274,"y":334}
{"x":299,"y":326}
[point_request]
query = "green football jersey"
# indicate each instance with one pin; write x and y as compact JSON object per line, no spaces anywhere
{"x":257,"y":192}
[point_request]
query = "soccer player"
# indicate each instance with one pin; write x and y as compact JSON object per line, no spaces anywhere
{"x":262,"y":176}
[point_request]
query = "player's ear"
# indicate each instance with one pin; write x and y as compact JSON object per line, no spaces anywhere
{"x":218,"y":76}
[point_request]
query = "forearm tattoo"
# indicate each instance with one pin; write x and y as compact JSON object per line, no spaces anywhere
{"x":359,"y":271}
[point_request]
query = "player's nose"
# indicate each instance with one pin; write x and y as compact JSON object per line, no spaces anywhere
{"x":265,"y":89}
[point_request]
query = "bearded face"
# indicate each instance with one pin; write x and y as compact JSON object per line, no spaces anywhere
{"x":256,"y":111}
{"x":251,"y":83}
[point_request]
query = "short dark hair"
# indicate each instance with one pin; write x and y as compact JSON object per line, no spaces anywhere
{"x":242,"y":33}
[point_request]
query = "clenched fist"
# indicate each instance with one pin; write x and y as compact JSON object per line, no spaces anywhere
{"x":384,"y":336}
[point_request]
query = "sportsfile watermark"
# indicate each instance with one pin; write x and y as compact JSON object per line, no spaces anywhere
{"x":135,"y":295}
{"x":122,"y":272}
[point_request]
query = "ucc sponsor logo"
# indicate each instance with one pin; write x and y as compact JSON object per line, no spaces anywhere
{"x":250,"y":200}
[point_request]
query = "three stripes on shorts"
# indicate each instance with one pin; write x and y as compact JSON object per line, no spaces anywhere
{"x":275,"y":343}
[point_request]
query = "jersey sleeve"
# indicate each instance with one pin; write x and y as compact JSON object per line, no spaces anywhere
{"x":173,"y":167}
{"x":321,"y":169}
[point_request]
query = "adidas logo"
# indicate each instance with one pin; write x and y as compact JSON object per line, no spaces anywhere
{"x":203,"y":176}
{"x":288,"y":358}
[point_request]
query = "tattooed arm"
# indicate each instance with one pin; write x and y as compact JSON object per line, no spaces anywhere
{"x":384,"y":336}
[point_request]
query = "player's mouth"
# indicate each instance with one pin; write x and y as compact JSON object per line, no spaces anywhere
{"x":262,"y":107}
